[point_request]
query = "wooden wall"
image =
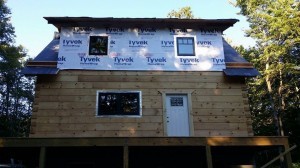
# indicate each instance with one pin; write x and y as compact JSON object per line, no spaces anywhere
{"x":65,"y":104}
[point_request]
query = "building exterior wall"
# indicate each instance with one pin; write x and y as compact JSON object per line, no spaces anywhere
{"x":65,"y":104}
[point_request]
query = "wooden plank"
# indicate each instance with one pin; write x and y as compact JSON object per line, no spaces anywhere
{"x":209,"y":133}
{"x":288,"y":156}
{"x":62,"y":113}
{"x":246,"y":141}
{"x":42,"y":157}
{"x":145,"y":141}
{"x":64,"y":78}
{"x":165,"y":130}
{"x":89,"y":112}
{"x":220,"y":126}
{"x":217,"y":112}
{"x":214,"y":91}
{"x":91,"y":92}
{"x":218,"y":105}
{"x":152,"y":104}
{"x":78,"y":105}
{"x":70,"y":92}
{"x":93,"y":119}
{"x":66,"y":98}
{"x":89,"y":104}
{"x":80,"y":134}
{"x":145,"y":92}
{"x":220,"y":119}
{"x":125,"y":157}
{"x":66,"y":105}
{"x":208,"y":157}
{"x":218,"y":98}
{"x":67,"y":85}
{"x":129,"y":126}
{"x":191,"y":117}
{"x":163,"y":85}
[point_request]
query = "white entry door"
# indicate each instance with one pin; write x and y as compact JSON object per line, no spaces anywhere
{"x":177,"y":115}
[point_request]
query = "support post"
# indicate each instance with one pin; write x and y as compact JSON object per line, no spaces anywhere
{"x":125,"y":156}
{"x":288,"y":157}
{"x":42,"y":159}
{"x":208,"y":157}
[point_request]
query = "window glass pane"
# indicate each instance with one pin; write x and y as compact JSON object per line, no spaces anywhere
{"x":185,"y":49}
{"x":190,"y":41}
{"x":130,"y":103}
{"x":108,"y":103}
{"x":119,"y":103}
{"x":185,"y":46}
{"x":98,"y":45}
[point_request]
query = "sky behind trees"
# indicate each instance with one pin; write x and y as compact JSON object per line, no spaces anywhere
{"x":34,"y":33}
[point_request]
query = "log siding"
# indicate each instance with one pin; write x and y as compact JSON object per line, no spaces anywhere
{"x":65,"y":104}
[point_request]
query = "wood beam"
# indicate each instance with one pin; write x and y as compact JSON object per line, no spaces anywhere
{"x":42,"y":158}
{"x":144,"y":141}
{"x":208,"y":157}
{"x":125,"y":157}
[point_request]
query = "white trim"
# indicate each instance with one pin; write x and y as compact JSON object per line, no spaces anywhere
{"x":175,"y":45}
{"x":190,"y":115}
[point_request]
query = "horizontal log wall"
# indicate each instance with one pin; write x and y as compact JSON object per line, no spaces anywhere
{"x":65,"y":105}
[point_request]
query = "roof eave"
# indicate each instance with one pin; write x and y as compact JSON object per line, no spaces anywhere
{"x":205,"y":24}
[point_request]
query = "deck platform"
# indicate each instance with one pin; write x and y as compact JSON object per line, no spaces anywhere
{"x":208,"y":146}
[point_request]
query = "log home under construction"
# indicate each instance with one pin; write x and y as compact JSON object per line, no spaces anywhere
{"x":139,"y":92}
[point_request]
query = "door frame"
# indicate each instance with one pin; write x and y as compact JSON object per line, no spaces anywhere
{"x":190,"y":114}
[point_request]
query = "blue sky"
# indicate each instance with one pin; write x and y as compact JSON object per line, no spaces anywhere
{"x":34,"y":33}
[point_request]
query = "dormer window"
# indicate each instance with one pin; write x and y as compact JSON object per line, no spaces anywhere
{"x":98,"y":45}
{"x":185,"y":46}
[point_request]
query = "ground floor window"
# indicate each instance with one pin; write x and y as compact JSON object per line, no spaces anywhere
{"x":119,"y":103}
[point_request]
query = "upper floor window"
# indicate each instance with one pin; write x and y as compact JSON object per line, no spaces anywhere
{"x":185,"y":46}
{"x":98,"y":45}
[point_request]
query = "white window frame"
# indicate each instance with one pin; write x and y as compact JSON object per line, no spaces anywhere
{"x":176,"y":45}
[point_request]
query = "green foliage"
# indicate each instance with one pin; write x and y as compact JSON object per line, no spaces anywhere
{"x":296,"y":165}
{"x":274,"y":96}
{"x":6,"y":29}
{"x":16,"y":91}
{"x":259,"y":99}
{"x":182,"y":13}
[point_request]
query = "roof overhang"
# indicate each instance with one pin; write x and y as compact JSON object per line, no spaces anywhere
{"x":241,"y":72}
{"x":33,"y":71}
{"x":201,"y":24}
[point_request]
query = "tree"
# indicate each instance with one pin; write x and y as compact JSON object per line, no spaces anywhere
{"x":16,"y":91}
{"x":274,"y":96}
{"x":182,"y":13}
{"x":6,"y":29}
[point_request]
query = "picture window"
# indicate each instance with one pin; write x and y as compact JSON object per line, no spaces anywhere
{"x":119,"y":103}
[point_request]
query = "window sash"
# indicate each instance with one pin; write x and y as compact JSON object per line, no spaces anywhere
{"x":119,"y":103}
{"x":98,"y":45}
{"x":185,"y":46}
